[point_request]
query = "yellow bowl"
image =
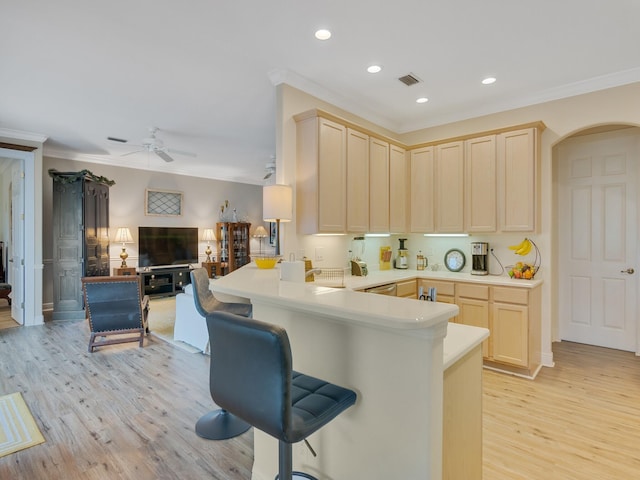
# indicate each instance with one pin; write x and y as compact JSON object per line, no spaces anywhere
{"x":266,"y":262}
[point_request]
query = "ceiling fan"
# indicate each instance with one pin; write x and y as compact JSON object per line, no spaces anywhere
{"x":270,"y":168}
{"x":153,"y":144}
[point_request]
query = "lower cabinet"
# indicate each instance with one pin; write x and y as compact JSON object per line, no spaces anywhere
{"x":407,"y":289}
{"x":473,"y":301}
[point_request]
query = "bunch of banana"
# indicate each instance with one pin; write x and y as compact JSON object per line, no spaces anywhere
{"x":523,"y":248}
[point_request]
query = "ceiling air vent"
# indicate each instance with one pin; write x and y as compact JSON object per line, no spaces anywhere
{"x":409,"y":79}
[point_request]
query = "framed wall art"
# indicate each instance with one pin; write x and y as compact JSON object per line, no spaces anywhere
{"x":165,"y":203}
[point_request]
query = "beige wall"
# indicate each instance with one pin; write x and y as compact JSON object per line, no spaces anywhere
{"x":620,"y":105}
{"x":201,"y":202}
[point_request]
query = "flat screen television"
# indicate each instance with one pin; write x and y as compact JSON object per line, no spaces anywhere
{"x":167,"y":246}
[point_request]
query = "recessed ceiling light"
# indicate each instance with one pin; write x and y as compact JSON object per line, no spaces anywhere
{"x":422,"y":100}
{"x":488,"y":81}
{"x":374,"y":69}
{"x":323,"y":34}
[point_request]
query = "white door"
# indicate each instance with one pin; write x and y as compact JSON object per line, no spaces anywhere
{"x":597,"y":226}
{"x":16,"y":243}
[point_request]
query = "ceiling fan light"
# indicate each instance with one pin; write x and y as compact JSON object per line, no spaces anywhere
{"x":422,"y":100}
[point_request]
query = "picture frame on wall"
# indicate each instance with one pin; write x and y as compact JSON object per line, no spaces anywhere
{"x":165,"y":203}
{"x":272,"y":233}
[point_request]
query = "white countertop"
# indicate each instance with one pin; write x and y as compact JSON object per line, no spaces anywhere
{"x":344,"y":304}
{"x":380,"y":277}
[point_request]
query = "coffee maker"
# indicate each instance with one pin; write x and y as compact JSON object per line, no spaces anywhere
{"x":402,"y":259}
{"x":479,"y":258}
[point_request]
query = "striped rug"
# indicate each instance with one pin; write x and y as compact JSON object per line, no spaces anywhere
{"x":18,"y":429}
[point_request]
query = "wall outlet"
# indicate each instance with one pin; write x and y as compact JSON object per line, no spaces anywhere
{"x":319,"y":254}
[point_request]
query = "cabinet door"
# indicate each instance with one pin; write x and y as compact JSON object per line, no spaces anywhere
{"x":480,"y":184}
{"x":517,"y":171}
{"x":510,"y":334}
{"x":398,"y":191}
{"x":422,"y":197}
{"x":378,"y":186}
{"x":449,"y":204}
{"x":475,"y":313}
{"x":357,"y":181}
{"x":332,"y":173}
{"x":407,"y":289}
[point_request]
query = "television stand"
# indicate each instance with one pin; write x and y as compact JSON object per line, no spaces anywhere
{"x":165,"y":281}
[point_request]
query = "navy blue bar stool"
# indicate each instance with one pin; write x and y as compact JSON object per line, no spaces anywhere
{"x":252,"y":377}
{"x":217,"y":424}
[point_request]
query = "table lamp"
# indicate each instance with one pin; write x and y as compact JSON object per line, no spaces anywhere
{"x":123,"y":235}
{"x":208,"y":236}
{"x":260,"y":233}
{"x":277,"y":206}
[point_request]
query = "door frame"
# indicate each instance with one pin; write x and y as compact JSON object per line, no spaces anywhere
{"x":33,"y":265}
{"x":588,"y":130}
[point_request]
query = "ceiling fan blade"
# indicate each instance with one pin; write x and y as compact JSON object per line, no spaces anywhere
{"x":182,"y":152}
{"x":163,"y":155}
{"x":131,"y":153}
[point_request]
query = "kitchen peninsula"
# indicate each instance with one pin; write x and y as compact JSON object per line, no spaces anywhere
{"x":395,"y":353}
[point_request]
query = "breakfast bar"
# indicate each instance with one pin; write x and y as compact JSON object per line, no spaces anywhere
{"x":393,"y":352}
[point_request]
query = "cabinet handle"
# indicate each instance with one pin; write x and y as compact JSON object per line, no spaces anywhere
{"x":630,"y":271}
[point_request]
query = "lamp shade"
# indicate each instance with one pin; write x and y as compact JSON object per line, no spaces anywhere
{"x":123,"y":235}
{"x":260,"y":232}
{"x":277,"y":203}
{"x":208,"y":235}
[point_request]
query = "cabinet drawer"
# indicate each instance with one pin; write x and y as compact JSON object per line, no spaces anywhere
{"x":467,"y":290}
{"x":511,"y":295}
{"x":406,"y":289}
{"x":442,"y":288}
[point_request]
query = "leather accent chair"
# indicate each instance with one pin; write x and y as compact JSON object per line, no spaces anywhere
{"x":115,"y":306}
{"x":217,"y":424}
{"x":251,"y":376}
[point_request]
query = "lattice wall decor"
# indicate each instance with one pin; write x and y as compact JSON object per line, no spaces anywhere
{"x":163,"y":202}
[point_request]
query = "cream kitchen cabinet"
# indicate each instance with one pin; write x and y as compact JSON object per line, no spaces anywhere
{"x":515,"y":329}
{"x":518,"y":195}
{"x":481,"y":211}
{"x":422,"y":172}
{"x":473,"y":302}
{"x":357,"y":181}
{"x":321,"y":175}
{"x":398,"y":191}
{"x":449,"y":187}
{"x":378,"y":186}
{"x":407,"y":289}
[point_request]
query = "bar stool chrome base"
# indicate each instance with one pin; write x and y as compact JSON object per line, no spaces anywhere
{"x":299,"y":475}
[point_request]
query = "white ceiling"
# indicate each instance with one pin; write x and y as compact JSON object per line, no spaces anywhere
{"x":204,"y":71}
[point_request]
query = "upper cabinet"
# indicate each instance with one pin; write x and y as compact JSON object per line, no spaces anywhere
{"x":398,"y":191}
{"x":481,"y":212}
{"x":357,"y":181}
{"x":449,"y":203}
{"x":378,"y":186}
{"x":321,"y":176}
{"x":350,"y":179}
{"x":421,"y":186}
{"x":517,"y":163}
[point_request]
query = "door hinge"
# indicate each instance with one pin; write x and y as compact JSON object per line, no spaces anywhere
{"x":22,"y":175}
{"x":22,"y":262}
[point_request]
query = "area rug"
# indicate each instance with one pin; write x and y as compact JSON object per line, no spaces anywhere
{"x":18,"y":429}
{"x":162,"y":318}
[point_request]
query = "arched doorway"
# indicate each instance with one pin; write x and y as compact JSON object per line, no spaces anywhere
{"x":596,"y":175}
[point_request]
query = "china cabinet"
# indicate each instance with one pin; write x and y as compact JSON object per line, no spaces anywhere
{"x":233,"y":245}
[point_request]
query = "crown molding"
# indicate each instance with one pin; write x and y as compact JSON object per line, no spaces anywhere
{"x":22,"y":135}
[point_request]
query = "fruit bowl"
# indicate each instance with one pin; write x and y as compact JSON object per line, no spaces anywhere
{"x":523,"y":271}
{"x":266,"y":261}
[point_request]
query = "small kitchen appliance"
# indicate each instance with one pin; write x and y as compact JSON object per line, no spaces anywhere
{"x":402,"y":258}
{"x":479,"y":258}
{"x":358,"y":266}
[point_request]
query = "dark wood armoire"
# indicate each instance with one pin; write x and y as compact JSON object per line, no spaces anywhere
{"x":80,"y":237}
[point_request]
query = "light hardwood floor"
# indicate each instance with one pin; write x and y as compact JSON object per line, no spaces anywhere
{"x":129,"y":413}
{"x":5,"y":316}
